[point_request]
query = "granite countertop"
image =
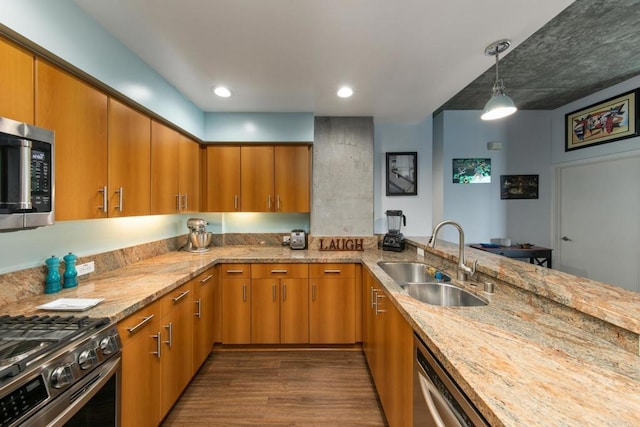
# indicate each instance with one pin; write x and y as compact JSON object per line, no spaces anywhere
{"x":519,"y":363}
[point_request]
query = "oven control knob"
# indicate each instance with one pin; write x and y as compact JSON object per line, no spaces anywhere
{"x":61,"y":376}
{"x":87,"y":359}
{"x":108,"y":345}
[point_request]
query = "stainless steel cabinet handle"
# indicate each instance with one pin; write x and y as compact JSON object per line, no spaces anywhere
{"x":120,"y":192}
{"x":283,"y":271}
{"x":143,"y":322}
{"x":206,"y":279}
{"x":199,"y":304}
{"x":235,"y":271}
{"x":378,"y":311}
{"x":186,"y":201}
{"x":313,"y":292}
{"x":182,"y":295}
{"x":244,"y":292}
{"x":371,"y":297}
{"x":169,"y":327}
{"x":284,"y":292}
{"x":273,"y":292}
{"x":157,"y":337}
{"x":178,"y":204}
{"x":332,"y":271}
{"x":235,"y":202}
{"x":269,"y":201}
{"x":278,"y":202}
{"x":105,"y":206}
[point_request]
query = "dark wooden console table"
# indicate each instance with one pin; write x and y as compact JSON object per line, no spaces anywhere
{"x":535,"y":254}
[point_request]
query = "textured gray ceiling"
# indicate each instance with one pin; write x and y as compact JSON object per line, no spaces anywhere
{"x":591,"y":45}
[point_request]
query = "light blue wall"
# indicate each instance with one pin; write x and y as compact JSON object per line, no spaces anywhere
{"x":65,"y":30}
{"x":258,"y":127}
{"x":400,"y":138}
{"x":526,"y":147}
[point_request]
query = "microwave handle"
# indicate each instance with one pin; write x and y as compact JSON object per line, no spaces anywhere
{"x":25,"y":174}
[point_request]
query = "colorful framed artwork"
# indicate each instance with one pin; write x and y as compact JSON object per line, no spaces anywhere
{"x":471,"y":171}
{"x":402,"y":174}
{"x":607,"y":121}
{"x":519,"y":186}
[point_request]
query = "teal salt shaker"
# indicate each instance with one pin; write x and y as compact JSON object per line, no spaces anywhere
{"x":70,"y":272}
{"x":52,"y":282}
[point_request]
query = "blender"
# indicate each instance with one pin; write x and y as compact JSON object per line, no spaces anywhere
{"x":394,"y":240}
{"x":199,"y":238}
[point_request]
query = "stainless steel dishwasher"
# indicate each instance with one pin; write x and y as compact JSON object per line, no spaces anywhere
{"x":437,"y":399}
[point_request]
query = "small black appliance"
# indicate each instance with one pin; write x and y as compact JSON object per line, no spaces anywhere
{"x":394,"y":240}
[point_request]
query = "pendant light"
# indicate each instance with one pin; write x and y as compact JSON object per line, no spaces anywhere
{"x":500,"y":105}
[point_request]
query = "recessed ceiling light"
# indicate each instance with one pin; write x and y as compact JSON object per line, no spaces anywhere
{"x":222,"y":91}
{"x":345,"y":92}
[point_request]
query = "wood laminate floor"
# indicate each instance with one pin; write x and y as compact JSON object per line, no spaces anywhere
{"x":280,"y":388}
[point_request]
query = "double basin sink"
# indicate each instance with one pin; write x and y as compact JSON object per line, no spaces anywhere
{"x":417,"y":279}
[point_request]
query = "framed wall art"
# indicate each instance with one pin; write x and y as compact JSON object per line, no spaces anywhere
{"x":606,"y":121}
{"x":519,"y":186}
{"x":402,"y":174}
{"x":471,"y":171}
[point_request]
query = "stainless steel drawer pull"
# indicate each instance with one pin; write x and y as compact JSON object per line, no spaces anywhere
{"x":244,"y":292}
{"x":284,"y":292}
{"x":332,"y":271}
{"x":120,"y":192}
{"x":199,"y":304}
{"x":206,"y":279}
{"x":371,"y":297}
{"x":105,"y":196}
{"x":143,"y":322}
{"x":283,"y":271}
{"x":235,"y":271}
{"x":273,"y":291}
{"x":235,"y":202}
{"x":378,"y":311}
{"x":169,"y":327}
{"x":157,"y":337}
{"x":179,"y":297}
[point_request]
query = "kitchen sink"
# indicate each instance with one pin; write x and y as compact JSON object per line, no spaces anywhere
{"x":406,"y":272}
{"x":443,"y":294}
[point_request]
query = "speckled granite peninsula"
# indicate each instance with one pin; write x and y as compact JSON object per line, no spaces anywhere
{"x":549,"y":349}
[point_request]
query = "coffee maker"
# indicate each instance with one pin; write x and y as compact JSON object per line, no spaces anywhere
{"x":394,"y":240}
{"x":199,"y":238}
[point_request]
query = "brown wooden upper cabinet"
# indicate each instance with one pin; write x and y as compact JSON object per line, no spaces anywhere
{"x":175,"y":169}
{"x":129,"y":161}
{"x":258,"y":178}
{"x":77,"y":112}
{"x":16,"y":83}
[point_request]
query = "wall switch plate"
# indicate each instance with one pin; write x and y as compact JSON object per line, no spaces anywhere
{"x":86,"y":268}
{"x":420,"y":251}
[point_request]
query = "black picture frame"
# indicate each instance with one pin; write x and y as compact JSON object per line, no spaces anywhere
{"x":402,"y":174}
{"x":519,"y":187}
{"x":605,"y":121}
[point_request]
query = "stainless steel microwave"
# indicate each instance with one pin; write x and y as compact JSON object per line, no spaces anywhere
{"x":27,"y":175}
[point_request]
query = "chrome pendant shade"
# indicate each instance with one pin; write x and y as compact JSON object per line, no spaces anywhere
{"x":500,"y":105}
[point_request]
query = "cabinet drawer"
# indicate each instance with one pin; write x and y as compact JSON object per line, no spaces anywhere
{"x":318,"y":271}
{"x":204,"y":278}
{"x":143,"y":322}
{"x":268,"y":271}
{"x":236,"y":271}
{"x":175,"y":298}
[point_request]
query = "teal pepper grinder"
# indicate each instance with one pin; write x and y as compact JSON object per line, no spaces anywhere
{"x":52,"y":282}
{"x":70,"y":272}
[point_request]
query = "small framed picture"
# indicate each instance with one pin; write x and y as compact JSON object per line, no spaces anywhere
{"x":518,"y":186}
{"x":471,"y":171}
{"x":402,"y":174}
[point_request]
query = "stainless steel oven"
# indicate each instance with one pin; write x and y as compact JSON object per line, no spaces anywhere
{"x":59,"y":371}
{"x":437,"y":400}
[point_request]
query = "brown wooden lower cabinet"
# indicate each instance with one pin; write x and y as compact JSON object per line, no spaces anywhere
{"x":236,"y":303}
{"x":388,"y":347}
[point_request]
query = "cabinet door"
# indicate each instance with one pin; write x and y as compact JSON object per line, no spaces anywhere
{"x":129,"y":161}
{"x":176,"y":367}
{"x":236,"y":311}
{"x":16,"y":83}
{"x":204,"y":320}
{"x":332,"y":311}
{"x":77,"y":113}
{"x":223,"y":178}
{"x":189,"y":175}
{"x":164,"y":169}
{"x":256,"y":182}
{"x":292,"y":171}
{"x":294,"y":311}
{"x":140,"y":334}
{"x":265,"y":311}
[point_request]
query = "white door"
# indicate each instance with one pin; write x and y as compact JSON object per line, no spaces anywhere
{"x":599,"y":221}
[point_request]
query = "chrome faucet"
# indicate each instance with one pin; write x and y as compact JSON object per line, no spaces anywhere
{"x":463,"y":270}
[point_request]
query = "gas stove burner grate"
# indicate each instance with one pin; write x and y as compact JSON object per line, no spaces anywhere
{"x":26,"y":339}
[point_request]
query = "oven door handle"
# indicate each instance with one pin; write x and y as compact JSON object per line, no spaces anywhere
{"x":75,"y":398}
